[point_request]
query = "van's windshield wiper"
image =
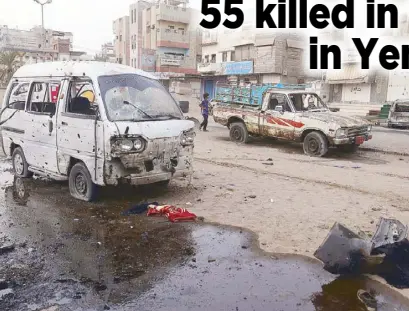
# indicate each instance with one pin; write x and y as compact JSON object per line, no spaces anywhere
{"x":139,"y":109}
{"x":168,"y":116}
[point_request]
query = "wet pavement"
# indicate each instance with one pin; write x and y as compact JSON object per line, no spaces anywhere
{"x":82,"y":256}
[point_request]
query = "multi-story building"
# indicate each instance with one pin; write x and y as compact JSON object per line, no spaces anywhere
{"x":107,"y":53}
{"x":248,"y":55}
{"x":121,"y":41}
{"x":164,"y":37}
{"x":39,"y":45}
{"x":136,"y":34}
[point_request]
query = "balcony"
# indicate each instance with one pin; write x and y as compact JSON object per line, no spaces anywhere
{"x":209,"y":39}
{"x":172,"y":14}
{"x":215,"y":68}
{"x":172,"y":38}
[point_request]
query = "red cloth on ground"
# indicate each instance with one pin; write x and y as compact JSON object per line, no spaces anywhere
{"x":171,"y":212}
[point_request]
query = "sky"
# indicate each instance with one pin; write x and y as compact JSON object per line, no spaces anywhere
{"x":89,"y":20}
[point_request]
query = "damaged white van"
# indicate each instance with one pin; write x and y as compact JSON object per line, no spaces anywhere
{"x":94,"y":124}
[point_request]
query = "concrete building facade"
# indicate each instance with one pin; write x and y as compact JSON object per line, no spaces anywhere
{"x":248,"y":55}
{"x":121,"y":40}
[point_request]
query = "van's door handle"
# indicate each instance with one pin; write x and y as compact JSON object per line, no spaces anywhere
{"x":64,"y":123}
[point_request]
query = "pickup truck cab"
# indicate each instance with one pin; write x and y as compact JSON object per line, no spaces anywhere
{"x":94,"y":124}
{"x":287,"y":113}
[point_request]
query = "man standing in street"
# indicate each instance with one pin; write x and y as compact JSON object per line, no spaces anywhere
{"x":205,"y":112}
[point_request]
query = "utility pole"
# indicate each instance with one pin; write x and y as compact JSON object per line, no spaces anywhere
{"x":42,"y":3}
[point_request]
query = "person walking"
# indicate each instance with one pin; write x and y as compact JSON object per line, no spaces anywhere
{"x":205,"y":112}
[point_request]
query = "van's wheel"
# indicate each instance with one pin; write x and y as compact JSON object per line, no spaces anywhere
{"x":239,"y":133}
{"x":80,"y":183}
{"x":20,"y":165}
{"x":348,"y":148}
{"x":315,"y":144}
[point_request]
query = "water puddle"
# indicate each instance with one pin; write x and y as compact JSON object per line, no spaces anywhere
{"x":88,"y":257}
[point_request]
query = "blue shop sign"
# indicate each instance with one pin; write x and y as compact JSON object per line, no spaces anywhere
{"x":238,"y":68}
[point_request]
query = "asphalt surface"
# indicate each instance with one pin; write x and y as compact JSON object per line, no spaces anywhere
{"x":68,"y":255}
{"x":57,"y":253}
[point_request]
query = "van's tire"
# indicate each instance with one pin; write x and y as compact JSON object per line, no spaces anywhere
{"x":20,"y":165}
{"x":80,"y":183}
{"x":239,"y":133}
{"x":348,"y":148}
{"x":315,"y":144}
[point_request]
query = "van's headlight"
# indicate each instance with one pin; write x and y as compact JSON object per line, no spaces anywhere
{"x":139,"y":144}
{"x":187,"y":138}
{"x":125,"y":145}
{"x":136,"y":144}
{"x":369,"y":128}
{"x":341,"y":133}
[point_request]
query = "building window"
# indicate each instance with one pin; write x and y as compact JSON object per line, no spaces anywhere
{"x":171,"y":27}
{"x":206,"y":59}
{"x":233,"y":56}
{"x":199,"y":58}
{"x":120,"y":38}
{"x":224,"y":56}
{"x":213,"y":58}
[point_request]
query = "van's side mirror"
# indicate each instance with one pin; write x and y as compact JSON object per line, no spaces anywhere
{"x":184,"y":106}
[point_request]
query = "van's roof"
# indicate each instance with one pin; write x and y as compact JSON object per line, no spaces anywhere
{"x":77,"y":69}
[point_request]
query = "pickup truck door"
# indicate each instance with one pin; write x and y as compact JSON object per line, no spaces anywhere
{"x":275,"y":123}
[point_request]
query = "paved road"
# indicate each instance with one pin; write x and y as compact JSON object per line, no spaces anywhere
{"x":390,"y":140}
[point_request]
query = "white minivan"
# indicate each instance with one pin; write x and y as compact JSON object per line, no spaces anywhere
{"x":94,"y":124}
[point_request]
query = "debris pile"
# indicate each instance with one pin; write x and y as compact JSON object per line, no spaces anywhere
{"x":386,"y":254}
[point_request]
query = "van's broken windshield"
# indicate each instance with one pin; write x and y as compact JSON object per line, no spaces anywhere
{"x":130,"y":97}
{"x":307,"y":102}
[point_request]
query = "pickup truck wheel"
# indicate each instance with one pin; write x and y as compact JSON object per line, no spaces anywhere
{"x":239,"y":132}
{"x":20,"y":165}
{"x":80,"y":183}
{"x":315,"y":144}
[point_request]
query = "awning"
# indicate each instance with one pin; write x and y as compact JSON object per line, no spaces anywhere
{"x":349,"y":73}
{"x":296,"y":44}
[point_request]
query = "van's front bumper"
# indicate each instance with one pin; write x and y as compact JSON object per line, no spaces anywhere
{"x":132,"y":169}
{"x":356,"y":140}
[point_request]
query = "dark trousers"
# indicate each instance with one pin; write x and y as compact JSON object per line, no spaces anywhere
{"x":204,"y":123}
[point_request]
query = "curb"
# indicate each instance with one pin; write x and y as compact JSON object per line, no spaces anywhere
{"x":403,"y":154}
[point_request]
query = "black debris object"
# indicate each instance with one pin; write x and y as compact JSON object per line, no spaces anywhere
{"x":138,"y":209}
{"x":386,"y":254}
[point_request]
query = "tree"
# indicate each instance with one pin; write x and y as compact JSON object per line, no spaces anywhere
{"x":10,"y":61}
{"x":100,"y":58}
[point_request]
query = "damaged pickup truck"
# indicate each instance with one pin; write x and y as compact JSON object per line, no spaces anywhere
{"x":399,"y":114}
{"x":95,"y":124}
{"x":287,"y":113}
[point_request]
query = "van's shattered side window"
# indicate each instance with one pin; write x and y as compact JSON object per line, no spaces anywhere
{"x":131,"y":97}
{"x":41,"y":97}
{"x":18,"y":95}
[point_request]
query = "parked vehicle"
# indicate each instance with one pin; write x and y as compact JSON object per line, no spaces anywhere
{"x":399,"y":114}
{"x":110,"y":124}
{"x":288,"y":113}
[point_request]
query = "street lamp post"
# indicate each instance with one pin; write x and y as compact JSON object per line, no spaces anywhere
{"x":42,"y":3}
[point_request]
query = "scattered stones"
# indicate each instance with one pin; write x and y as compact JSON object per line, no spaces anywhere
{"x":376,"y":209}
{"x":3,"y":284}
{"x":106,"y":307}
{"x":99,"y":287}
{"x":53,"y":308}
{"x":7,"y":248}
{"x":199,"y":200}
{"x":194,"y":260}
{"x":244,"y":247}
{"x":252,"y":196}
{"x":6,"y":293}
{"x":211,"y":259}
